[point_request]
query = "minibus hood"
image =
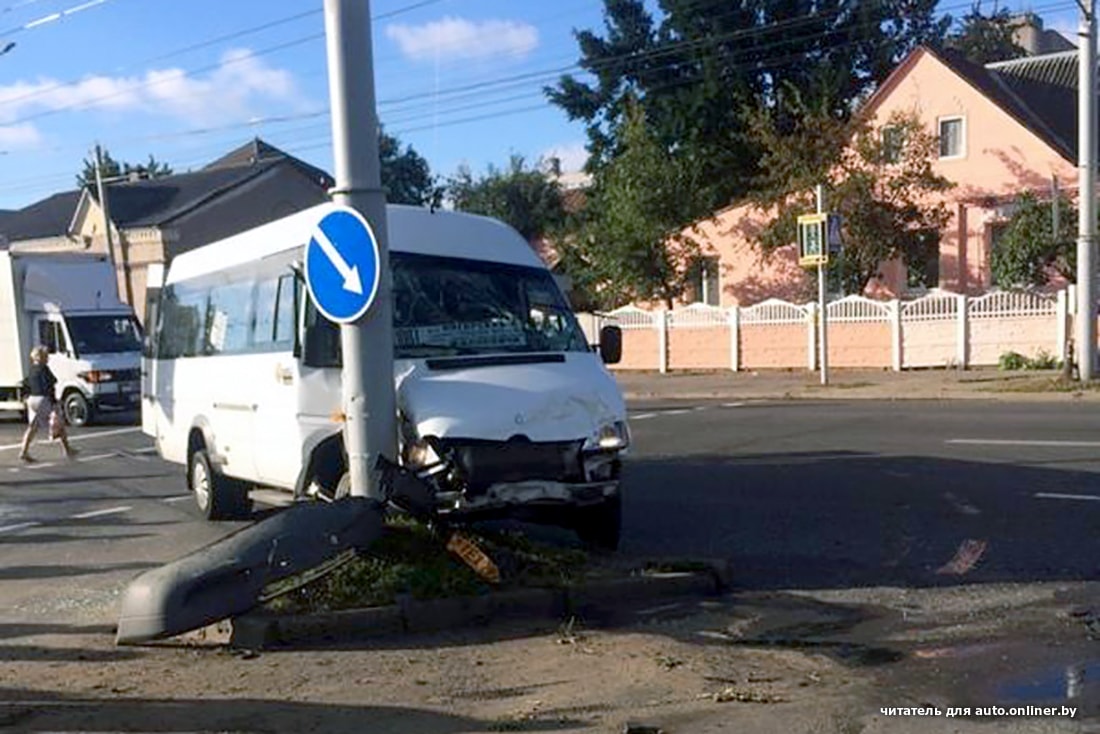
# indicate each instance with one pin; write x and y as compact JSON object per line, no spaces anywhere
{"x":555,"y":401}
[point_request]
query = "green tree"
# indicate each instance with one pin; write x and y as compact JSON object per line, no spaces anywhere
{"x":152,"y":168}
{"x":630,"y":245}
{"x":985,"y":38}
{"x":879,"y":186}
{"x":1029,"y":253}
{"x":698,"y":65}
{"x":528,"y":198}
{"x":406,"y":176}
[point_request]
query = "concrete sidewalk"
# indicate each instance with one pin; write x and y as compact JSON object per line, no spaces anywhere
{"x":982,"y":384}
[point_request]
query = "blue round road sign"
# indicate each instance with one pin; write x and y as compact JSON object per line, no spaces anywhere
{"x":341,"y":265}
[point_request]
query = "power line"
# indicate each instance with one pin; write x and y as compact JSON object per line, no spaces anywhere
{"x":505,"y":82}
{"x":52,"y":17}
{"x":241,"y":33}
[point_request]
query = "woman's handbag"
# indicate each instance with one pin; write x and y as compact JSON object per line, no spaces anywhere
{"x":57,"y":423}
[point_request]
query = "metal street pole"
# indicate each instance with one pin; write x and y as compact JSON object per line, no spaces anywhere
{"x":101,"y":193}
{"x":822,"y":337}
{"x":370,"y":410}
{"x":1086,"y":161}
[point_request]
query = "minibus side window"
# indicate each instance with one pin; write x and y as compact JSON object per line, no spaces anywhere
{"x":180,"y":331}
{"x":229,"y":317}
{"x":321,"y":346}
{"x":285,"y":310}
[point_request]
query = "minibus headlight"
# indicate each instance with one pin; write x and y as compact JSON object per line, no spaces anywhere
{"x":613,"y":436}
{"x":95,"y":376}
{"x":418,"y":454}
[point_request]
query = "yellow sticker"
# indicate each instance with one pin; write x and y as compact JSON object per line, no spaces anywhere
{"x":474,"y":557}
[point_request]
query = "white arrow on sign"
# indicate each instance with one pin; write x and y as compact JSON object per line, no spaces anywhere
{"x":349,"y":273}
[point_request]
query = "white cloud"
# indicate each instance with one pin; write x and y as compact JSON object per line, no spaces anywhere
{"x":458,"y":38}
{"x":13,"y":137}
{"x":573,"y":156}
{"x":230,"y":90}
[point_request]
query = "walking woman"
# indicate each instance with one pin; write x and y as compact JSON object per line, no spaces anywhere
{"x":40,"y":405}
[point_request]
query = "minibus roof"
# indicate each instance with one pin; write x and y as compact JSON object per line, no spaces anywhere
{"x":411,"y":229}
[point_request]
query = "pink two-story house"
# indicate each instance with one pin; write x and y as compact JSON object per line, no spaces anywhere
{"x":1003,"y":129}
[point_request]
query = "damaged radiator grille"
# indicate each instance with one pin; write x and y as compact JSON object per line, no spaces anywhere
{"x":483,"y":463}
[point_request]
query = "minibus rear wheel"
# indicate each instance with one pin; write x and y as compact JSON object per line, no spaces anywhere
{"x":218,"y":497}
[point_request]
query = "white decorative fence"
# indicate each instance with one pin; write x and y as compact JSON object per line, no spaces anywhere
{"x":940,"y":329}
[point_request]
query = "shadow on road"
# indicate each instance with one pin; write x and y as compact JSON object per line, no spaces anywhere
{"x":844,"y":519}
{"x":151,"y":715}
{"x":22,"y":573}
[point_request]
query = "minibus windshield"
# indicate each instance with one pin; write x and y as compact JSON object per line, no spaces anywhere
{"x":446,"y":305}
{"x":104,"y":334}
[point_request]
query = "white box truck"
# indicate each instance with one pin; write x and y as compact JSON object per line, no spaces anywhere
{"x":69,"y":303}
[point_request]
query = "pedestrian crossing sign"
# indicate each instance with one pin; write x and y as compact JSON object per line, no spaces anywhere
{"x":812,"y":239}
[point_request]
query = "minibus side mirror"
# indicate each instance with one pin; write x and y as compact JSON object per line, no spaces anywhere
{"x":611,"y":344}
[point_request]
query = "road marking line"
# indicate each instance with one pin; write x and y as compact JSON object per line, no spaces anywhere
{"x":101,"y":513}
{"x":20,"y":526}
{"x":1020,"y":442}
{"x":701,"y":407}
{"x":642,"y":416}
{"x":81,"y":437}
{"x":961,"y":505}
{"x":181,"y":498}
{"x":1059,"y":496}
{"x":97,"y":457}
{"x":678,"y":412}
{"x":733,"y":405}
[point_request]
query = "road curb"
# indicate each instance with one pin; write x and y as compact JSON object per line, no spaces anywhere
{"x":846,"y":395}
{"x":591,"y":599}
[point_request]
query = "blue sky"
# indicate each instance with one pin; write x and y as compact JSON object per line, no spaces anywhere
{"x":188,"y":80}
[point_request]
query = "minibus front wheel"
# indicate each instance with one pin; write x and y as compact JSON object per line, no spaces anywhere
{"x":218,"y":497}
{"x":600,"y":526}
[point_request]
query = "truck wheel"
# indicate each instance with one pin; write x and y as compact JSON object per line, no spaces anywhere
{"x":600,"y":526}
{"x":218,"y":497}
{"x":77,"y":409}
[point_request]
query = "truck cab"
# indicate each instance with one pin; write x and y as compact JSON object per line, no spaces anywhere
{"x":95,"y":355}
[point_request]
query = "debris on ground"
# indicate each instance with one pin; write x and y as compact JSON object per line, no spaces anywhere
{"x":745,"y":695}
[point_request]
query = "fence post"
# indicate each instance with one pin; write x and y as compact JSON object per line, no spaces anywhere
{"x":962,"y":333}
{"x":734,"y":318}
{"x":1063,"y":321}
{"x":662,"y":341}
{"x":811,"y":338}
{"x":895,"y":334}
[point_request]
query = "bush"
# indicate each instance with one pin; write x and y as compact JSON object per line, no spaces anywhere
{"x":1043,"y":360}
{"x":1012,"y":361}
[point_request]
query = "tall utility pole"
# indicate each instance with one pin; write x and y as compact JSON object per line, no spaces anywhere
{"x":823,"y":331}
{"x":1086,"y":162}
{"x":104,"y":207}
{"x":370,"y":407}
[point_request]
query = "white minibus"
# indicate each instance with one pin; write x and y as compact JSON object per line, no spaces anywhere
{"x":504,"y":409}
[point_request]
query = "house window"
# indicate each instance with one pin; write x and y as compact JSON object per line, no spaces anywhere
{"x":893,"y":140}
{"x":952,"y":137}
{"x":704,"y":285}
{"x":922,"y":260}
{"x":996,"y":232}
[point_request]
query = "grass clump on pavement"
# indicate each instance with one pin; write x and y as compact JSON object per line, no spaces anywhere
{"x":409,"y":559}
{"x":1042,"y":385}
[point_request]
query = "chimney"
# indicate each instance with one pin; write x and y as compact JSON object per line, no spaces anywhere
{"x":1028,"y":33}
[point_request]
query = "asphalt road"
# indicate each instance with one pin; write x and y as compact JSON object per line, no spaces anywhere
{"x":799,"y":494}
{"x":842,"y":494}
